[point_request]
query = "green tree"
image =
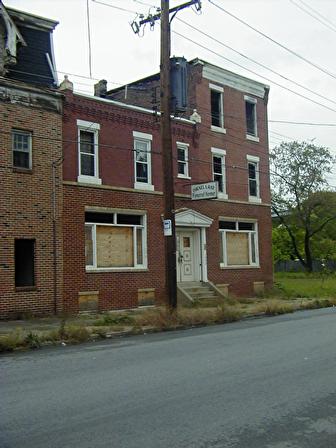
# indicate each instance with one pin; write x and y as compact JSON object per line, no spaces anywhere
{"x":300,"y":199}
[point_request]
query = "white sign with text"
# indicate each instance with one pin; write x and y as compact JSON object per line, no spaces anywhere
{"x":204,"y":191}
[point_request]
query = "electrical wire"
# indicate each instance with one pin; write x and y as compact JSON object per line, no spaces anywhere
{"x":332,"y":28}
{"x":313,"y":64}
{"x":255,"y":73}
{"x":303,"y":123}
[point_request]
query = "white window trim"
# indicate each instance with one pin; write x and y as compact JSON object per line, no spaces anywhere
{"x":137,"y":267}
{"x":89,"y":126}
{"x":251,"y":100}
{"x":30,"y":140}
{"x":220,"y":153}
{"x":223,"y":232}
{"x":148,"y":186}
{"x":221,"y":129}
{"x":255,"y":160}
{"x":185,"y":147}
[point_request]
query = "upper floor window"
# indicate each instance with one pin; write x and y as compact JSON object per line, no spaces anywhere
{"x":239,"y":243}
{"x":217,"y":109}
{"x":22,"y":149}
{"x":182,"y":160}
{"x":251,"y":118}
{"x":88,"y":166}
{"x":253,"y":178}
{"x":142,"y":161}
{"x":218,"y":171}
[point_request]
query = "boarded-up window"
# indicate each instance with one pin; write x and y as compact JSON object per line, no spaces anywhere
{"x":114,"y":246}
{"x":237,"y":247}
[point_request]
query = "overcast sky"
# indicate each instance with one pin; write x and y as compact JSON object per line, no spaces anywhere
{"x":120,"y":56}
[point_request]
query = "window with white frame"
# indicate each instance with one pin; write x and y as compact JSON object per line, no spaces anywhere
{"x":218,"y":170}
{"x":253,"y":178}
{"x":182,"y":160}
{"x":217,"y":109}
{"x":22,"y":149}
{"x":88,"y":165}
{"x":142,"y":161}
{"x":115,"y":240}
{"x":239,"y":243}
{"x":251,"y":118}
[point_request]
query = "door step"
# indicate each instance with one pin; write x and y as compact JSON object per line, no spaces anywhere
{"x":194,"y":292}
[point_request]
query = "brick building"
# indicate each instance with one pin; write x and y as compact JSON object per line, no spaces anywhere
{"x":30,"y":151}
{"x":112,"y":190}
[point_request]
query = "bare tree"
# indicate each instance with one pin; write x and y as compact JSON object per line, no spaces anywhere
{"x":299,"y":185}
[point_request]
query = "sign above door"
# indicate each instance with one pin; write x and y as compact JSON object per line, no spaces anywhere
{"x":208,"y":190}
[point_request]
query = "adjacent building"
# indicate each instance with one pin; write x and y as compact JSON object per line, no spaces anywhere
{"x":30,"y":152}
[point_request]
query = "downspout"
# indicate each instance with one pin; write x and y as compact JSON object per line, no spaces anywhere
{"x":54,"y":219}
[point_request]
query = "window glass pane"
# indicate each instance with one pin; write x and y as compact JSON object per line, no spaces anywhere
{"x":24,"y":263}
{"x":250,"y":118}
{"x":142,"y":149}
{"x":142,"y":172}
{"x":217,"y":165}
{"x":181,"y":166}
{"x":88,"y":246}
{"x":181,"y":154}
{"x":228,"y":225}
{"x":246,"y":226}
{"x":219,"y":178}
{"x":237,"y":249}
{"x":87,"y":142}
{"x":221,"y":241}
{"x":253,"y":188}
{"x":87,"y":164}
{"x":114,"y":246}
{"x":21,"y":159}
{"x":129,"y":219}
{"x":139,"y":233}
{"x":216,"y":98}
{"x":99,"y":217}
{"x":252,"y":170}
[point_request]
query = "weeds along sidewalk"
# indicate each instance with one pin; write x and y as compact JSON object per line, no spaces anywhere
{"x":37,"y":332}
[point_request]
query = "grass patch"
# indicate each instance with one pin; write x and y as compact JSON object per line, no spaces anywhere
{"x":274,"y":307}
{"x":114,"y":319}
{"x":304,"y":285}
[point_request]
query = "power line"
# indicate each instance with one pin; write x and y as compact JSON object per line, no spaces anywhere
{"x":313,"y":64}
{"x":256,"y":62}
{"x":255,"y":73}
{"x":303,"y":8}
{"x":115,"y":7}
{"x":303,"y":123}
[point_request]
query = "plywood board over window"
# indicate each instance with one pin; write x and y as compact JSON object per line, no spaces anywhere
{"x":114,"y":246}
{"x":237,"y":249}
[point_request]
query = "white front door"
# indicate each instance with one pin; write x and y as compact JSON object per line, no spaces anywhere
{"x":187,"y":256}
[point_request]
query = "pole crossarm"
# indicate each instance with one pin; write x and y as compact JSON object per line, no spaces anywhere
{"x":153,"y":18}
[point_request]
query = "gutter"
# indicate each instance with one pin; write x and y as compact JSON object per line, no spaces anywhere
{"x":131,"y":107}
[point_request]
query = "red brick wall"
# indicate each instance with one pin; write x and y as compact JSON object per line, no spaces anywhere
{"x":26,"y":209}
{"x":116,"y":161}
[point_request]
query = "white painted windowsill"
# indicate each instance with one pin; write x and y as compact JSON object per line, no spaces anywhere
{"x":218,"y":129}
{"x":252,"y":266}
{"x":222,"y":196}
{"x":143,"y":186}
{"x":253,"y":138}
{"x":182,"y":176}
{"x":102,"y":270}
{"x":255,"y":199}
{"x":89,"y":180}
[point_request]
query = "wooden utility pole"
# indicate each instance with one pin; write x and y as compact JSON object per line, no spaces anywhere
{"x":166,"y":139}
{"x":167,"y":156}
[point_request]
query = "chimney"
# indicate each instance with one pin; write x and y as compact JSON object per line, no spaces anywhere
{"x":100,"y":88}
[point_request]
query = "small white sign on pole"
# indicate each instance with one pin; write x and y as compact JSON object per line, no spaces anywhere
{"x":167,"y":227}
{"x":204,"y":191}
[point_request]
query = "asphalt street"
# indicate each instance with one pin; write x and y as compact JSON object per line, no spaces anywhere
{"x":261,"y":383}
